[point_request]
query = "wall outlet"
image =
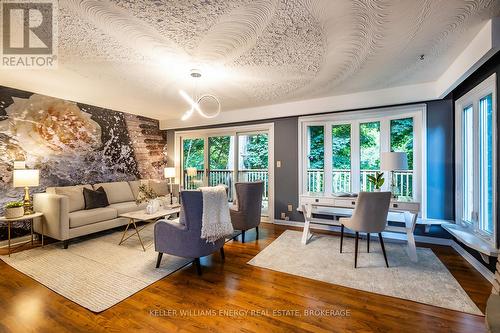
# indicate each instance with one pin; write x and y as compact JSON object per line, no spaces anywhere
{"x":283,"y":215}
{"x":278,"y":164}
{"x":290,"y":208}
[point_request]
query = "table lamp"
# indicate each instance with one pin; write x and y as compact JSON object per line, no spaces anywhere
{"x":169,"y":173}
{"x":26,"y":178}
{"x":393,"y":161}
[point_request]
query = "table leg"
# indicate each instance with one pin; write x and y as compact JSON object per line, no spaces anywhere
{"x":128,"y":224}
{"x":31,"y":224}
{"x":41,"y":221}
{"x":8,"y":235}
{"x":138,"y":235}
{"x":410,"y":221}
{"x":307,"y":216}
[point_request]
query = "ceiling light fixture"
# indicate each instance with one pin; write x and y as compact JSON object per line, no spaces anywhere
{"x":195,"y":105}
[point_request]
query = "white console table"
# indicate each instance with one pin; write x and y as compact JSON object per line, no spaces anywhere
{"x":328,"y":204}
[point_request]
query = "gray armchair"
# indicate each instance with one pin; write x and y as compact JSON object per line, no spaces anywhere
{"x":370,"y":216}
{"x":247,"y":214}
{"x":183,"y":239}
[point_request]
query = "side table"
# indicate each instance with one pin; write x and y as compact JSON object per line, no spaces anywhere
{"x":30,"y":217}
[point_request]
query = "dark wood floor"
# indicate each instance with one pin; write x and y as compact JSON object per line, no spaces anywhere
{"x":27,"y":306}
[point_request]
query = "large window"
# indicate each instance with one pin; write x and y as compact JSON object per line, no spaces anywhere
{"x":475,"y":156}
{"x":342,"y":160}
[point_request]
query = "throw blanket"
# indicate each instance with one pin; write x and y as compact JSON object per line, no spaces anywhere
{"x":216,"y":221}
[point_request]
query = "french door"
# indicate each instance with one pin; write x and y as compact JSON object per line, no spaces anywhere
{"x":218,"y":157}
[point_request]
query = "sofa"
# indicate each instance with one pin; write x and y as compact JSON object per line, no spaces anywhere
{"x":65,"y":216}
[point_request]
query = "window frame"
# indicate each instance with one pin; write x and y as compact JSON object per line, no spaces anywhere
{"x":354,"y":118}
{"x":472,"y":98}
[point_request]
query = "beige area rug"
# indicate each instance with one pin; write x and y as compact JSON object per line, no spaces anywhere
{"x":95,"y":272}
{"x":427,"y":281}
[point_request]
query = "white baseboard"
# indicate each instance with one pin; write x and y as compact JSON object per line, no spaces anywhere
{"x":399,"y":237}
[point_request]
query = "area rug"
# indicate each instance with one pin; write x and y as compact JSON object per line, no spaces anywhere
{"x":428,"y":281}
{"x":95,"y":272}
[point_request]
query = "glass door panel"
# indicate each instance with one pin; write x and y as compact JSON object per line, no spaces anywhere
{"x":468,"y":164}
{"x":486,"y":164}
{"x":193,"y":162}
{"x":341,"y":158}
{"x":221,"y":162}
{"x":315,"y":158}
{"x":253,"y":162}
{"x":402,"y":141}
{"x":369,"y":151}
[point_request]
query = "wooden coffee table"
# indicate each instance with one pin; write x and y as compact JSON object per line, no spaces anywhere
{"x":141,"y":216}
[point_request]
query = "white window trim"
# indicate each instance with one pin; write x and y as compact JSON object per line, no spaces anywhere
{"x":384,"y":115}
{"x":486,"y":87}
{"x":222,"y":131}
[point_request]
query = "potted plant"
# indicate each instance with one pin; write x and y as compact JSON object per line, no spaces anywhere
{"x":14,"y":209}
{"x":147,"y":194}
{"x":377,"y":180}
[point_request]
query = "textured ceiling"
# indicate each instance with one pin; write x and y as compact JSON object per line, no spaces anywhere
{"x":134,"y":56}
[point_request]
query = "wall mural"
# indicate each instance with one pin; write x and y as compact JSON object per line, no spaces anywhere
{"x":73,"y":143}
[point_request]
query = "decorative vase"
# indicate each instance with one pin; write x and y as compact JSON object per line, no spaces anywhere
{"x":14,"y":212}
{"x":153,"y":206}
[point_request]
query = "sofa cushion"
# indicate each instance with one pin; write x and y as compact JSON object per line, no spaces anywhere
{"x":127,"y":207}
{"x":74,"y":194}
{"x":117,"y":192}
{"x":162,"y":188}
{"x":85,"y":217}
{"x":134,"y":186}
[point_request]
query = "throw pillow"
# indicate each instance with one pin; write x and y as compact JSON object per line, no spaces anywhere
{"x":95,"y":199}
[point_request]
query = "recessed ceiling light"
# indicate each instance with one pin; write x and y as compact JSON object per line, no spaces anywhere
{"x":195,"y":73}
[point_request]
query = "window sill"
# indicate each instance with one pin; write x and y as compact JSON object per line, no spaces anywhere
{"x":472,"y":240}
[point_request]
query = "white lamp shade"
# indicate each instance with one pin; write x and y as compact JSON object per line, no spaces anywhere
{"x":169,"y":172}
{"x":191,"y":172}
{"x":26,"y":178}
{"x":393,"y":161}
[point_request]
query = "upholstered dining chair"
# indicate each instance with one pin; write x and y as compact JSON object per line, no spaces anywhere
{"x":182,"y":238}
{"x":370,"y":216}
{"x":247,"y":213}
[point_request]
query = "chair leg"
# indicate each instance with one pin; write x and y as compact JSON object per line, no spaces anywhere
{"x":356,"y":250}
{"x":158,"y":261}
{"x":368,"y":242}
{"x":383,"y":249}
{"x":257,"y":232}
{"x":243,"y":236}
{"x":341,"y":236}
{"x":198,"y":265}
{"x":222,"y":254}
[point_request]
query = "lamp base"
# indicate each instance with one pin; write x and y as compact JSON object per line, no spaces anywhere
{"x":28,"y":206}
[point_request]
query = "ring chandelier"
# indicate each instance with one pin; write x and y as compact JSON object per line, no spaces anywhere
{"x":195,"y":105}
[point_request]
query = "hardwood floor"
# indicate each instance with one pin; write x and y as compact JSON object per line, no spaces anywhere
{"x":254,"y":295}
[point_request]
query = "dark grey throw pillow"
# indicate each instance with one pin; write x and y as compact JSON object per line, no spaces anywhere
{"x":95,"y":199}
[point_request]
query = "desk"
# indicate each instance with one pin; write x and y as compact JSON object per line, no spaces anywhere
{"x":328,"y":204}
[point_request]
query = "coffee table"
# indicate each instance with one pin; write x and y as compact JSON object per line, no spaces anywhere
{"x":142,"y":216}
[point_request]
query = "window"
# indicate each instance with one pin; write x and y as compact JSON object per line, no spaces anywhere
{"x":475,"y":153}
{"x":341,"y":158}
{"x":369,"y":142}
{"x":315,"y":158}
{"x":338,"y":151}
{"x":402,"y":141}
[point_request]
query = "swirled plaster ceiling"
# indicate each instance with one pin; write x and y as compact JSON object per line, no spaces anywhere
{"x":134,"y":56}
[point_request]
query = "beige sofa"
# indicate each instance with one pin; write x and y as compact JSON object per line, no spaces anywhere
{"x":64,"y":211}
